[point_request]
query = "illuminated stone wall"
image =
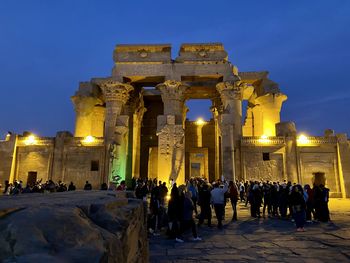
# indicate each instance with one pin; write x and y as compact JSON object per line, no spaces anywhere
{"x":7,"y":152}
{"x":271,"y":159}
{"x":33,"y":159}
{"x":256,"y":168}
{"x":61,"y":158}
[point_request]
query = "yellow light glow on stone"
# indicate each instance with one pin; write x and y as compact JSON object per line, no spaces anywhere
{"x":89,"y":139}
{"x":302,"y":139}
{"x":264,"y":139}
{"x":30,"y":140}
{"x":167,"y":197}
{"x":200,"y":121}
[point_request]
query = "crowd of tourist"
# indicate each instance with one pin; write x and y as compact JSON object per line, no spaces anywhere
{"x":192,"y":204}
{"x":183,"y":207}
{"x":50,"y":186}
{"x":287,"y":201}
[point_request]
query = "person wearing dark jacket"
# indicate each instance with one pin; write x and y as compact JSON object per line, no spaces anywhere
{"x":204,"y":203}
{"x":187,"y":217}
{"x":298,"y":206}
{"x":233,"y":194}
{"x":175,"y":207}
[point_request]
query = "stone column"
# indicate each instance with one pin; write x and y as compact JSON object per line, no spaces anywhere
{"x":170,"y":132}
{"x":230,"y":125}
{"x":84,"y":106}
{"x":116,"y":95}
{"x":270,"y":107}
{"x":215,"y":109}
{"x":136,"y":139}
{"x":98,"y":120}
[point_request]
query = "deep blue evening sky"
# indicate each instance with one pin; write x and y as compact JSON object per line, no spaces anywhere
{"x":47,"y":47}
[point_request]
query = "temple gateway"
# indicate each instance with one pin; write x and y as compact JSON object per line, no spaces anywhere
{"x":133,"y":124}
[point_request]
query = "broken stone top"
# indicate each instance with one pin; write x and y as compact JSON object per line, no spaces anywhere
{"x":161,"y":53}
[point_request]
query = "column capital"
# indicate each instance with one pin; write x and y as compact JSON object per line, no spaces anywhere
{"x":230,"y":90}
{"x":172,"y":90}
{"x":114,"y":90}
{"x":84,"y":104}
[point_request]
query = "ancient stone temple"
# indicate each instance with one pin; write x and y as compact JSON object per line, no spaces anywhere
{"x":133,"y":124}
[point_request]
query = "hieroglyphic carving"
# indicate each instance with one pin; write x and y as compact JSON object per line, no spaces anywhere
{"x":257,"y":169}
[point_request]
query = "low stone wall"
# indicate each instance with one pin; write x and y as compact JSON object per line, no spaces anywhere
{"x":80,"y":226}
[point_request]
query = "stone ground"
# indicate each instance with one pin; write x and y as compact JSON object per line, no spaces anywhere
{"x":263,"y":240}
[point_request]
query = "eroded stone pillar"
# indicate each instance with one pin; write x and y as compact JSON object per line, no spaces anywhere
{"x":267,"y":113}
{"x":230,"y":125}
{"x":171,"y":134}
{"x":116,"y":128}
{"x":84,"y":107}
{"x":136,"y":147}
{"x":98,"y":121}
{"x":215,"y":109}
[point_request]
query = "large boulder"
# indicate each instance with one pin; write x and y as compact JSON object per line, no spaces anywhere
{"x":93,"y":226}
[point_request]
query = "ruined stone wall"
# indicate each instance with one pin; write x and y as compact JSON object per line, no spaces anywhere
{"x":33,"y":158}
{"x":256,"y":168}
{"x":322,"y":158}
{"x":62,"y":158}
{"x":7,"y":152}
{"x":78,"y":165}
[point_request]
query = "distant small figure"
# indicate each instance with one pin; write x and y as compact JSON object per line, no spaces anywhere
{"x":87,"y":186}
{"x":7,"y":184}
{"x":122,"y":186}
{"x":71,"y":187}
{"x":104,"y":187}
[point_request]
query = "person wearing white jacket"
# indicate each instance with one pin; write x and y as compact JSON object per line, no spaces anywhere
{"x":218,"y":200}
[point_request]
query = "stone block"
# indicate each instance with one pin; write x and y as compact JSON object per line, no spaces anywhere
{"x":286,"y":129}
{"x":160,"y":53}
{"x":75,"y":226}
{"x":203,"y":52}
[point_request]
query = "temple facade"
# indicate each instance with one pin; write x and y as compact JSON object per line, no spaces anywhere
{"x":133,"y":124}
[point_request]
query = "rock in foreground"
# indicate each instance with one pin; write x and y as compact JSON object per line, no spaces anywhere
{"x":72,"y":227}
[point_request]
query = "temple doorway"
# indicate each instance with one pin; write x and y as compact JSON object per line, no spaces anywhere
{"x":319,"y":178}
{"x":32,"y":177}
{"x":199,"y":140}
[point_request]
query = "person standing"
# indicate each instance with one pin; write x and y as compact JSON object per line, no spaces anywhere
{"x":192,"y":187}
{"x":298,"y":206}
{"x":187,"y":219}
{"x":175,"y":207}
{"x":218,"y":200}
{"x":233,"y":195}
{"x":204,"y":203}
{"x":87,"y":186}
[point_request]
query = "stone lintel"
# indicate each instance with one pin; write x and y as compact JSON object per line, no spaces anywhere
{"x":252,"y":76}
{"x":142,"y":53}
{"x":202,"y":52}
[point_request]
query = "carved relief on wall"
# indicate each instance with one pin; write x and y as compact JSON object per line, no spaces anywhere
{"x":258,"y":169}
{"x":165,"y":136}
